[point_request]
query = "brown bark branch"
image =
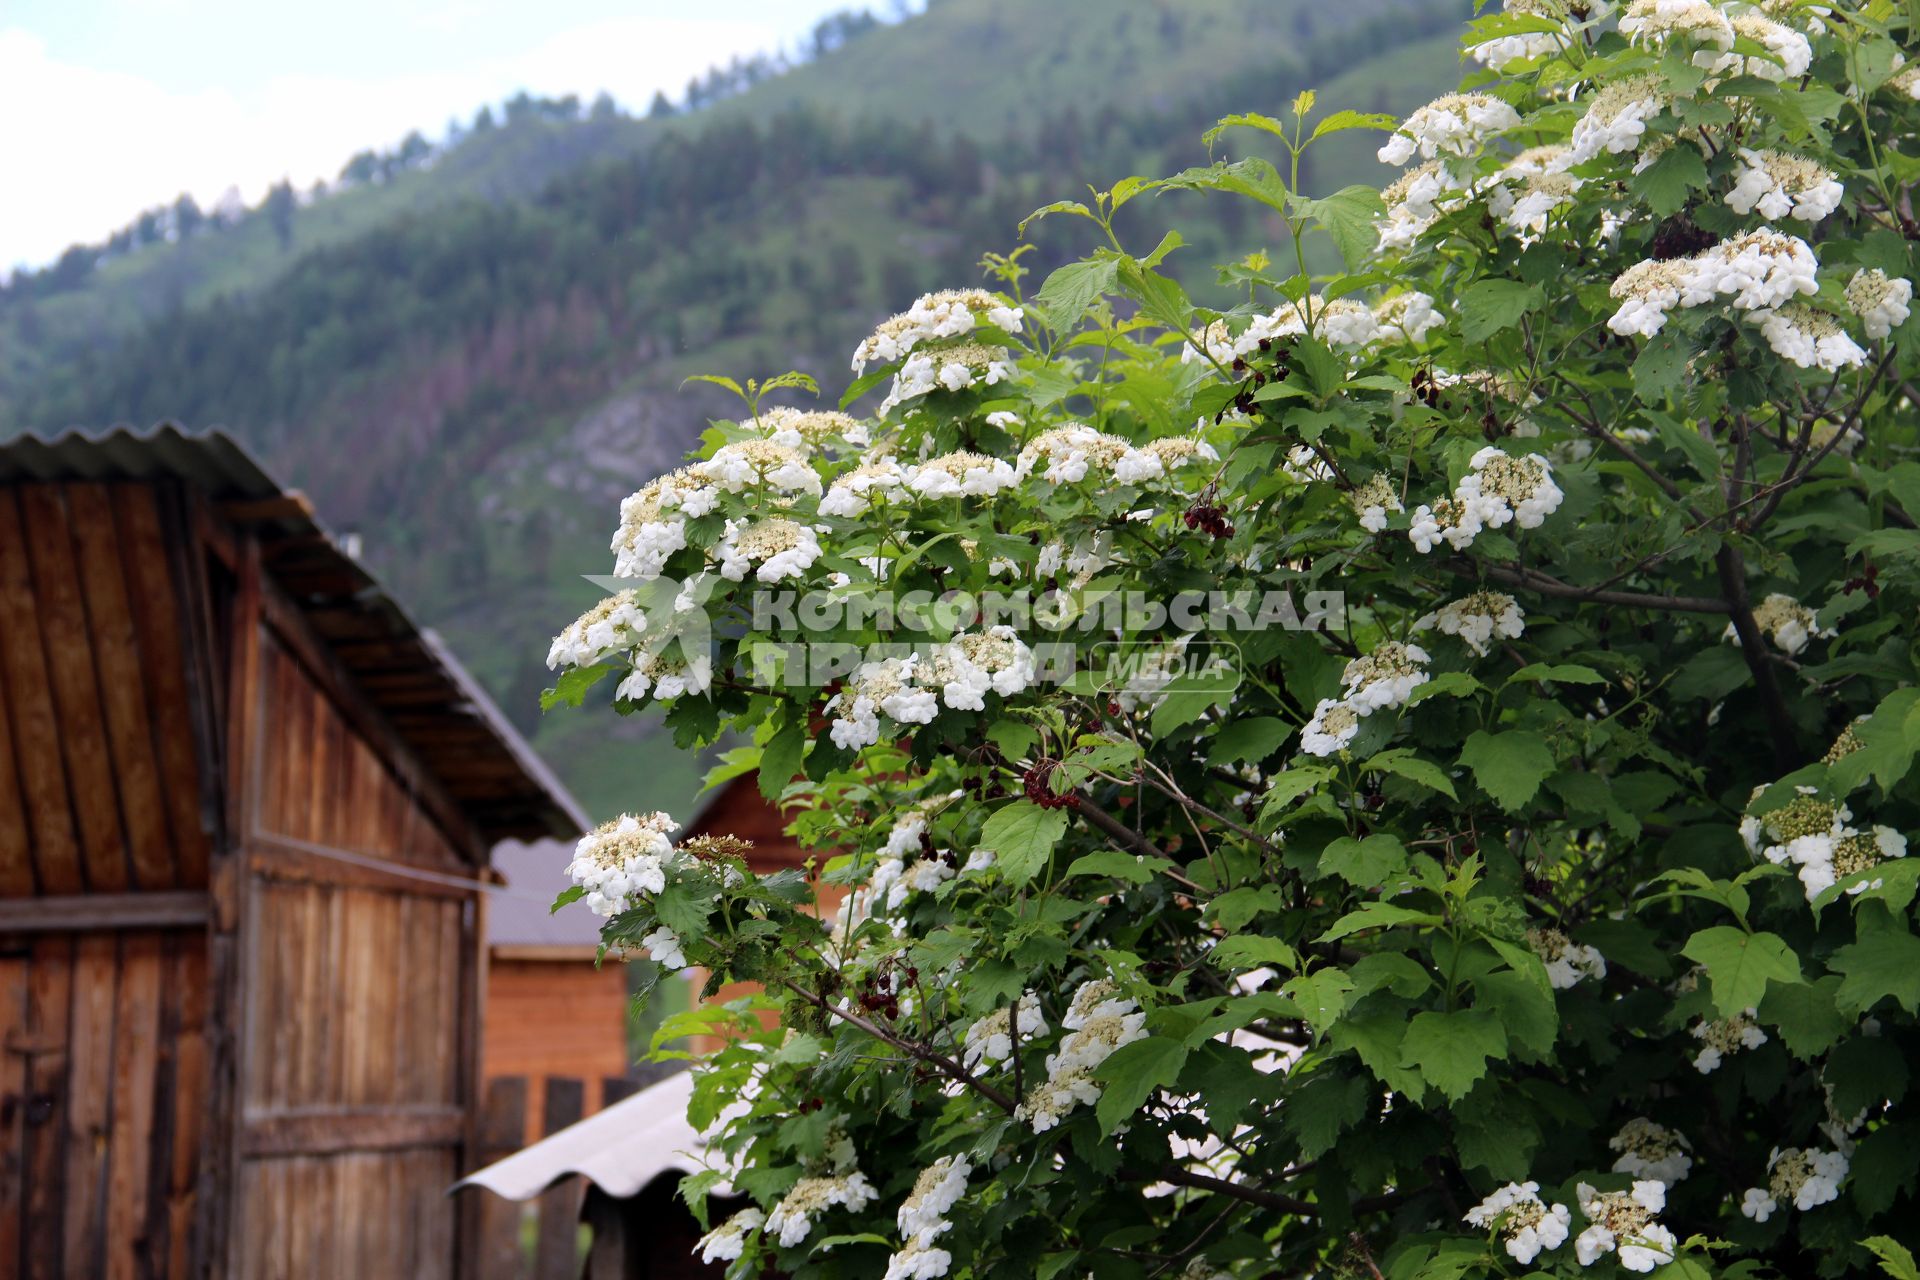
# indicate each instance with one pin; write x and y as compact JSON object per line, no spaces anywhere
{"x":912,"y":1048}
{"x":1733,"y":582}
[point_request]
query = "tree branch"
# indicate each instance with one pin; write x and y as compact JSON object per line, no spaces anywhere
{"x":1548,"y":585}
{"x":1753,"y":647}
{"x":912,"y":1048}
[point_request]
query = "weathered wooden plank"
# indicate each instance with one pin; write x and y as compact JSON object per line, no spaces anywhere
{"x":49,"y":1022}
{"x":29,"y":705}
{"x":16,"y":853}
{"x":315,"y":980}
{"x":500,"y":1131}
{"x":284,"y":859}
{"x":555,"y":1252}
{"x":96,"y":972}
{"x":122,"y":685}
{"x":160,"y":623}
{"x":333,"y":1130}
{"x":189,"y":1099}
{"x":135,"y":1063}
{"x":15,"y":971}
{"x":92,"y":912}
{"x":65,"y":633}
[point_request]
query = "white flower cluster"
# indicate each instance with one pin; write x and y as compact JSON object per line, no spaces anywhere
{"x":728,"y":1241}
{"x":961,"y":475}
{"x":1158,"y":459}
{"x":653,"y":522}
{"x":1786,"y":622}
{"x":1499,"y":489}
{"x":1339,"y":322}
{"x":897,"y":879}
{"x":1477,"y":619}
{"x":990,"y":1039}
{"x":953,"y":368}
{"x":1524,"y":46}
{"x":792,"y":1219}
{"x":879,"y":688}
{"x":1532,"y":185}
{"x":1099,"y":1021}
{"x":612,"y":626}
{"x":1456,"y":124}
{"x":950,"y":313}
{"x":1879,"y":301}
{"x":1818,"y":837}
{"x":758,"y":466}
{"x":1064,"y":454}
{"x":1757,"y":271}
{"x":1530,"y":1226}
{"x":1623,"y":1221}
{"x":1372,"y":501}
{"x":1649,"y":1150}
{"x":971,"y":666}
{"x":623,"y":859}
{"x":1719,"y":1037}
{"x":1566,"y":961}
{"x":1657,"y":22}
{"x":912,"y":689}
{"x":805,"y":429}
{"x":1376,"y":681}
{"x":1792,"y":49}
{"x":1811,"y":339}
{"x":922,"y":1220}
{"x":1616,"y":119}
{"x":1414,"y":201}
{"x":771,"y":548}
{"x":1780,"y":185}
{"x":1802,"y":1178}
{"x":852,"y":493}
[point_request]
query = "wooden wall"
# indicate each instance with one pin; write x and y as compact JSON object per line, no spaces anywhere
{"x":101,"y":785}
{"x":102,"y":1076}
{"x":360,"y":962}
{"x":555,"y":1016}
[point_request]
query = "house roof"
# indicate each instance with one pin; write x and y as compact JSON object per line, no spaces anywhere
{"x":521,"y":914}
{"x":405,"y":671}
{"x":620,"y":1149}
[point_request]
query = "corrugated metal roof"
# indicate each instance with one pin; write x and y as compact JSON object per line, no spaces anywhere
{"x":620,"y":1149}
{"x":406,"y":672}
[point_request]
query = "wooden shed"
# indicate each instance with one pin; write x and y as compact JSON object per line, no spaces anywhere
{"x":245,"y":809}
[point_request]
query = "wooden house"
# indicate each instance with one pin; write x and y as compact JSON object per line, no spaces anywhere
{"x":550,"y":1011}
{"x":245,"y":813}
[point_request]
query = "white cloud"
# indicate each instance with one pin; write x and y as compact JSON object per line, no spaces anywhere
{"x":85,"y":149}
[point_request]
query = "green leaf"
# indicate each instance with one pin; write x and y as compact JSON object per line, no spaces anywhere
{"x":1348,"y":217}
{"x":1070,"y":291}
{"x":1741,"y":964}
{"x":1317,"y":1111}
{"x":1451,"y":1050}
{"x":1284,"y":788}
{"x":1376,"y":915}
{"x":1391,"y":970}
{"x":1364,"y":864}
{"x":1530,"y":1016}
{"x":1376,"y":1036}
{"x":1661,"y":366}
{"x":570,"y":690}
{"x":1132,"y":867}
{"x":683,"y":908}
{"x":781,"y":759}
{"x":1665,"y":184}
{"x":572,"y":893}
{"x":1404,"y":763}
{"x":1508,"y":766}
{"x":1251,"y":951}
{"x":1807,"y":1016}
{"x":1490,"y":306}
{"x":1341,"y":120}
{"x":1895,"y":1258}
{"x":1022,"y":836}
{"x":1250,"y":740}
{"x":1131,"y":1074}
{"x":1881,"y":964}
{"x":1013,"y":738}
{"x":1322,"y":996}
{"x":1884,"y":1165}
{"x":1699,"y":450}
{"x":1558,"y":672}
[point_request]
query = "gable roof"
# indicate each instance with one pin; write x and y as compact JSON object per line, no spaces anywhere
{"x":405,"y":671}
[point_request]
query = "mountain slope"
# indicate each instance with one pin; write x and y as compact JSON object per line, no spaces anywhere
{"x":472,"y":375}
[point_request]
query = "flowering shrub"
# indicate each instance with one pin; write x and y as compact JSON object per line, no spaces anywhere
{"x":1544,"y":909}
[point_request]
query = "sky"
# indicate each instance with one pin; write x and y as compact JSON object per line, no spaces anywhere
{"x":108,"y":107}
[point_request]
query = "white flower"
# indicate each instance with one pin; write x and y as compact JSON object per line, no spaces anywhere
{"x":663,"y":948}
{"x":1384,"y":678}
{"x":1880,"y":302}
{"x":1722,"y":1036}
{"x":1455,"y":124}
{"x":1518,"y":1213}
{"x":852,"y":494}
{"x":1757,"y":1204}
{"x":729,"y":1240}
{"x":1161,"y":458}
{"x":1503,"y":488}
{"x":962,"y":474}
{"x":1649,"y":1150}
{"x":1528,"y":45}
{"x":653,"y":523}
{"x":1064,"y":454}
{"x":946,"y":314}
{"x":792,"y":1219}
{"x":1477,"y":619}
{"x":1784,"y":186}
{"x":1543,"y":186}
{"x":1757,"y":271}
{"x":1566,"y":961}
{"x":759,"y":465}
{"x":947,"y":368}
{"x":1806,"y":1179}
{"x":1658,"y":21}
{"x":922,"y":1214}
{"x":804,"y":429}
{"x":1450,"y":520}
{"x":990,"y":1039}
{"x":1373,"y":500}
{"x":1646,"y":291}
{"x":1616,"y":119}
{"x":1411,"y":312}
{"x":619,"y":860}
{"x":612,"y":626}
{"x":1793,"y":50}
{"x":1108,"y":1024}
{"x":1787,"y":622}
{"x":782,"y":548}
{"x":1624,"y":1221}
{"x":1811,"y":339}
{"x":1333,"y":725}
{"x":1413,"y":201}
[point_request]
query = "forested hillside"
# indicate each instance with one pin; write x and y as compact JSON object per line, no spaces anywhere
{"x":470,"y":360}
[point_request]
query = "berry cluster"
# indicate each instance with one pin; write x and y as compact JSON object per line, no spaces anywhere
{"x":1037,"y":783}
{"x":1210,"y":519}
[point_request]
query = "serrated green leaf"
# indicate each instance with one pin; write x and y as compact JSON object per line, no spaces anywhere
{"x":1322,"y":996}
{"x":1022,"y":836}
{"x":1451,"y":1050}
{"x":782,"y":758}
{"x":1489,"y":306}
{"x":1402,"y":762}
{"x":1740,"y":965}
{"x":1365,"y":863}
{"x":1508,"y":766}
{"x":1806,"y":1015}
{"x":1132,"y":1072}
{"x":1886,"y":963}
{"x":1134,"y":868}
